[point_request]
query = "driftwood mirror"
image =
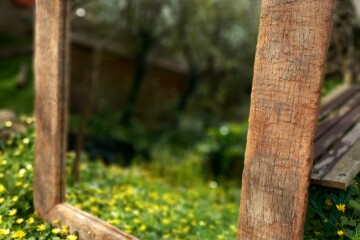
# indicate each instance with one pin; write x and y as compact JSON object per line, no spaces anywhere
{"x":290,"y":59}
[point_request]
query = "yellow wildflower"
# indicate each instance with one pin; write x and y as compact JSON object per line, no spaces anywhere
{"x":21,"y":173}
{"x":340,"y":233}
{"x":65,"y":229}
{"x":94,"y":209}
{"x":328,"y":202}
{"x":18,"y":234}
{"x":29,"y":120}
{"x":30,"y":220}
{"x":341,"y":207}
{"x":56,"y":222}
{"x":166,"y":236}
{"x":56,"y":230}
{"x":202,"y":223}
{"x":41,"y":227}
{"x":12,"y":212}
{"x":2,"y":188}
{"x":71,"y":237}
{"x":4,"y":231}
{"x":166,"y":221}
{"x":8,"y":124}
{"x":143,"y":228}
{"x":19,"y":220}
{"x":114,"y":221}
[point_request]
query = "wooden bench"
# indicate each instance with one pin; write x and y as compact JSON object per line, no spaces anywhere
{"x":336,"y":142}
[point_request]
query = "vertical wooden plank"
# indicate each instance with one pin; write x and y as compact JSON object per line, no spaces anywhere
{"x":289,"y":67}
{"x":51,"y":103}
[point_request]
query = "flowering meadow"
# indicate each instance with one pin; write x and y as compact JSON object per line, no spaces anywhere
{"x":131,"y":199}
{"x":148,"y":206}
{"x":17,"y":217}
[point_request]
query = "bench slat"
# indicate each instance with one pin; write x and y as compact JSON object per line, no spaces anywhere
{"x":341,"y":175}
{"x":332,"y":119}
{"x":323,"y":166}
{"x":337,"y":99}
{"x":322,"y":144}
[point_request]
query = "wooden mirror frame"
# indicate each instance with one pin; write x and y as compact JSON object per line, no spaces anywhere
{"x":51,"y":64}
{"x":289,"y":67}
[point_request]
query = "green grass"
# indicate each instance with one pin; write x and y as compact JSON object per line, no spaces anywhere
{"x":19,"y":100}
{"x":150,"y":207}
{"x":132,"y":199}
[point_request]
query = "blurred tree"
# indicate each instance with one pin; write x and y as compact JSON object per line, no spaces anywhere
{"x":146,"y":24}
{"x":344,"y":55}
{"x":215,"y":39}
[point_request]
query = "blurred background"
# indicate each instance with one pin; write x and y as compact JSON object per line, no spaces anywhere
{"x":162,"y":84}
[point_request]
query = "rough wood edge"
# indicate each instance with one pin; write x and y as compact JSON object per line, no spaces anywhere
{"x":85,"y":225}
{"x":345,"y":170}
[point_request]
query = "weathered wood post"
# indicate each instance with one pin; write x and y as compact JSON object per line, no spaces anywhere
{"x":289,"y":67}
{"x":51,"y":103}
{"x":51,"y":71}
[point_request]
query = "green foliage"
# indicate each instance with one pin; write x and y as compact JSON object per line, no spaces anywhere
{"x":224,"y":149}
{"x":17,"y":217}
{"x":329,"y":85}
{"x":334,"y":214}
{"x":148,"y":206}
{"x":132,"y":199}
{"x":19,"y":100}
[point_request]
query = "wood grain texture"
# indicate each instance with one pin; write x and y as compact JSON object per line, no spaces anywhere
{"x":289,"y":67}
{"x":345,"y":170}
{"x":51,"y":103}
{"x":87,"y":226}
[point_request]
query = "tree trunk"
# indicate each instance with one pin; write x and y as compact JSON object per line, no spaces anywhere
{"x":348,"y":77}
{"x":92,"y":93}
{"x":289,"y":67}
{"x":191,"y":85}
{"x":139,"y":76}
